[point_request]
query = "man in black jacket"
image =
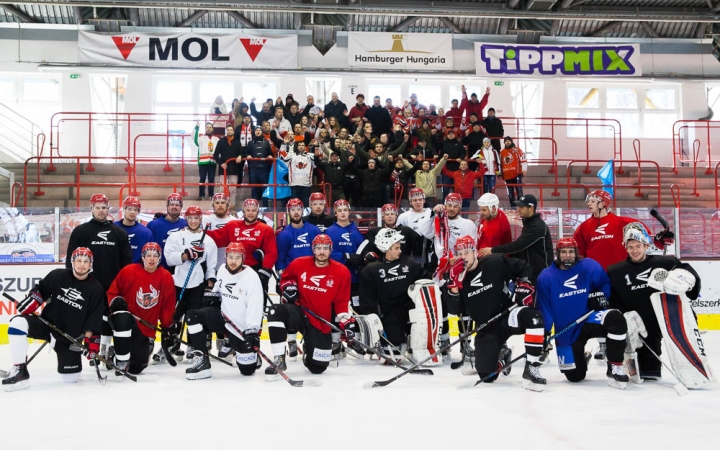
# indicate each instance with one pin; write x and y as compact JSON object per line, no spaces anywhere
{"x":534,"y":244}
{"x":266,"y":113}
{"x":334,"y":173}
{"x":456,"y":152}
{"x":494,"y":128}
{"x":226,"y":153}
{"x":379,"y":117}
{"x":258,"y":170}
{"x":336,"y":108}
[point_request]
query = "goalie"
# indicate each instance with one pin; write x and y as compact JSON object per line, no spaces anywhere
{"x":657,"y":289}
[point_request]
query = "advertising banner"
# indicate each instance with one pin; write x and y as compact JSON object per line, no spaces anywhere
{"x":414,"y":51}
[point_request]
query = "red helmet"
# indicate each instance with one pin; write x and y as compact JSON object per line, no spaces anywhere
{"x":416,"y":192}
{"x":341,"y":203}
{"x":453,"y":198}
{"x":601,"y":196}
{"x":464,"y":243}
{"x":389,"y":208}
{"x":250,"y":202}
{"x":294,"y":203}
{"x":322,"y":239}
{"x":235,"y":247}
{"x":174,"y":198}
{"x":151,"y":247}
{"x":99,"y":198}
{"x":566,"y":243}
{"x":132,"y":202}
{"x":317,"y":197}
{"x":193,"y":211}
{"x":220,"y":196}
{"x":82,"y":251}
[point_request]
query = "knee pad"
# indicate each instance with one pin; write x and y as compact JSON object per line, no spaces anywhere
{"x":530,"y":318}
{"x":191,"y":317}
{"x":314,"y":368}
{"x":121,"y":321}
{"x":575,"y":376}
{"x":247,"y":370}
{"x":18,"y":326}
{"x":70,"y":377}
{"x":277,"y":313}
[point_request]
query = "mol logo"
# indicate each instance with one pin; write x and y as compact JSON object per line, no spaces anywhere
{"x":570,"y":282}
{"x":125,"y":44}
{"x":253,"y":46}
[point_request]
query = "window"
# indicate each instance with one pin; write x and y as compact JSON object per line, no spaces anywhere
{"x":385,"y":91}
{"x":321,"y":89}
{"x":426,"y":94}
{"x":261,"y":91}
{"x":583,"y":98}
{"x":169,"y":91}
{"x":622,"y":99}
{"x":7,"y":91}
{"x":41,"y":90}
{"x":209,"y":90}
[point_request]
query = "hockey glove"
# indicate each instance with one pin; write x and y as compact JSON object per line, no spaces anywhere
{"x":265,"y":276}
{"x":663,"y":238}
{"x":194,"y":252}
{"x":118,"y":304}
{"x":168,"y":337}
{"x":679,"y":281}
{"x":349,"y":327}
{"x":525,"y":294}
{"x":371,"y":257}
{"x":353,"y":258}
{"x":30,"y":304}
{"x":92,"y":346}
{"x":289,"y":292}
{"x":212,"y":299}
{"x":252,"y":337}
{"x":457,"y":273}
{"x":597,"y":301}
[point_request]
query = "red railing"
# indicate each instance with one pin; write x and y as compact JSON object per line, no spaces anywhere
{"x":704,"y":128}
{"x":675,"y":192}
{"x":616,"y":186}
{"x":166,"y":160}
{"x":13,"y":197}
{"x":717,"y":186}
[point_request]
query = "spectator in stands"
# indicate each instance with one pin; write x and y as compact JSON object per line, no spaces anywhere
{"x":311,"y":107}
{"x":289,"y":101}
{"x":392,"y":110}
{"x":367,"y":133}
{"x":278,"y":104}
{"x":452,"y":147}
{"x":300,"y":167}
{"x":405,"y":121}
{"x":423,"y":151}
{"x":379,"y":117}
{"x":415,"y":105}
{"x":334,"y":173}
{"x":424,"y":131}
{"x":323,"y":136}
{"x":239,"y":111}
{"x":262,"y":115}
{"x":218,"y":106}
{"x":228,"y":151}
{"x":464,"y":181}
{"x":357,"y":113}
{"x":336,"y":108}
{"x":474,"y":140}
{"x":494,"y":128}
{"x":399,"y":177}
{"x":490,"y":160}
{"x":333,"y":126}
{"x":293,"y":116}
{"x":272,"y":137}
{"x":301,"y":135}
{"x":513,"y":167}
{"x":307,"y":126}
{"x":206,"y":145}
{"x":454,"y":112}
{"x":260,"y":152}
{"x":432,"y":111}
{"x":244,"y":131}
{"x":279,"y":123}
{"x":473,"y":105}
{"x":426,"y":179}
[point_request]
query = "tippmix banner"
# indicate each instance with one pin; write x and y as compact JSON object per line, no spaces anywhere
{"x":189,"y":50}
{"x":401,"y":51}
{"x":559,"y":60}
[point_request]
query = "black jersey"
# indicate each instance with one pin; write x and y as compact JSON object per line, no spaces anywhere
{"x":75,"y":306}
{"x":630,"y":290}
{"x":384,"y":285}
{"x":406,"y":245}
{"x":485,"y":291}
{"x":109,"y":245}
{"x":323,"y":221}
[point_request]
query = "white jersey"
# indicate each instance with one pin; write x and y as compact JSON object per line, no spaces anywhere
{"x":458,"y":227}
{"x":216,"y":223}
{"x":174,"y":248}
{"x":420,"y":222}
{"x":300,"y":167}
{"x":242,"y":298}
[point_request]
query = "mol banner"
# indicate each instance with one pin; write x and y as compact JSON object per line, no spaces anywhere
{"x":415,"y":51}
{"x":540,"y":60}
{"x":189,"y":50}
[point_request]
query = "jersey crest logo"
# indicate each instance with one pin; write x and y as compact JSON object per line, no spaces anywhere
{"x":346,"y":236}
{"x":394,"y":271}
{"x":643,"y":276}
{"x":601,"y":229}
{"x":257,"y":233}
{"x":73,"y":294}
{"x":405,"y":269}
{"x":103,"y":235}
{"x":317,"y":279}
{"x":570,"y":282}
{"x":303,"y":238}
{"x":330,"y":283}
{"x":476,"y":281}
{"x":147,"y":300}
{"x":230,"y":287}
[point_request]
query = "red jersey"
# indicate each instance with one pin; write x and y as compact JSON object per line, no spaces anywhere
{"x":322,"y":290}
{"x":513,"y":162}
{"x":150,"y":296}
{"x":602,"y":239}
{"x":463,"y":183}
{"x":494,"y":232}
{"x":256,"y":236}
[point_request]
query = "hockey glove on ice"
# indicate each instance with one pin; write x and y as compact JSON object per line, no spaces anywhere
{"x":92,"y":346}
{"x":252,"y":337}
{"x":457,"y":273}
{"x":348,"y":326}
{"x":30,"y":304}
{"x":525,"y":294}
{"x":289,"y":292}
{"x":118,"y":304}
{"x":597,"y":301}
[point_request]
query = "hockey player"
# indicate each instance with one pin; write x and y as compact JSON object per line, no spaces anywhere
{"x":632,"y":290}
{"x":479,"y":286}
{"x":164,"y":225}
{"x":494,"y":227}
{"x":238,"y":296}
{"x":384,"y":291}
{"x":317,"y":215}
{"x":420,"y":220}
{"x":368,"y":250}
{"x":321,"y":285}
{"x":257,"y":238}
{"x":151,"y":291}
{"x":567,"y":290}
{"x":73,"y":301}
{"x":138,"y":234}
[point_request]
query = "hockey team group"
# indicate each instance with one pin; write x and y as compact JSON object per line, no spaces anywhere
{"x":384,"y":295}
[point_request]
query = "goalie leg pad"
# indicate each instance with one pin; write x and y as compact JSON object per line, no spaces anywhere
{"x":371,"y":328}
{"x":426,"y":320}
{"x":635,"y":329}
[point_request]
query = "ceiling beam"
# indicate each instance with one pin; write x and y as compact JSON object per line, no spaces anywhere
{"x":700,"y":30}
{"x":191,"y":19}
{"x":503,"y":26}
{"x":606,"y":29}
{"x":565,"y":4}
{"x":134,"y":15}
{"x":449,"y":23}
{"x":244,"y":21}
{"x":511,"y":4}
{"x":555,"y":27}
{"x":404,"y":24}
{"x":716,"y":6}
{"x":77,"y":12}
{"x":649,"y":29}
{"x":22,"y":17}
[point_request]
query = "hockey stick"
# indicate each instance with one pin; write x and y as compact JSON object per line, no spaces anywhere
{"x":458,"y":364}
{"x":76,"y":342}
{"x":680,"y":388}
{"x":367,"y":347}
{"x":663,"y":222}
{"x":4,"y":374}
{"x":295,"y":383}
{"x":149,"y":325}
{"x":373,"y":384}
{"x":524,"y":355}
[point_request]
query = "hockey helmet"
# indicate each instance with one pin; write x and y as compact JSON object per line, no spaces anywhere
{"x":389,"y":208}
{"x":416,"y":192}
{"x":317,"y":197}
{"x":453,"y":198}
{"x":132,"y":202}
{"x":220,"y":196}
{"x":601,"y":196}
{"x":464,"y":243}
{"x":99,"y":198}
{"x":342,"y":203}
{"x":193,"y":211}
{"x":636,"y":231}
{"x":82,"y":252}
{"x":322,"y":239}
{"x":294,"y":203}
{"x":385,"y":239}
{"x":151,"y":247}
{"x":174,"y":199}
{"x":488,"y":199}
{"x":235,"y":247}
{"x":566,"y":243}
{"x":251,"y":203}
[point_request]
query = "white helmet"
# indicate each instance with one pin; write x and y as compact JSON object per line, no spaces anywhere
{"x":635,"y":231}
{"x":385,"y":239}
{"x":488,"y":199}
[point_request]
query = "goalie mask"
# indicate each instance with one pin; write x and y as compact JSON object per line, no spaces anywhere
{"x":566,"y":258}
{"x":636,"y":231}
{"x":386,"y":238}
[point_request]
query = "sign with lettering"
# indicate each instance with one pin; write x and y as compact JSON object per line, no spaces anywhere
{"x":401,"y":51}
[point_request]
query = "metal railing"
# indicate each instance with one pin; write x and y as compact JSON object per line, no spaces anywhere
{"x":18,"y":134}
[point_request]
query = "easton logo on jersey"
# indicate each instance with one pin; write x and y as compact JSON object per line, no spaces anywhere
{"x":346,"y":236}
{"x":230,"y":287}
{"x":570,"y":283}
{"x":303,"y":238}
{"x":643,"y":277}
{"x":104,"y":236}
{"x":601,"y":229}
{"x":147,"y":300}
{"x":71,"y":296}
{"x":477,"y":282}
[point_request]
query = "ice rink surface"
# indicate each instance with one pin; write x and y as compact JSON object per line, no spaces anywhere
{"x":163,"y":410}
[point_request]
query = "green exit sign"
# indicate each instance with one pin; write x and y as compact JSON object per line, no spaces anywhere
{"x":74,"y":76}
{"x":499,"y":83}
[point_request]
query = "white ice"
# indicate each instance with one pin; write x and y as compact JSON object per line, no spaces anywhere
{"x":229,"y":411}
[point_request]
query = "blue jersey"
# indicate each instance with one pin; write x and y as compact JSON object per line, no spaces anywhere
{"x":562,"y":295}
{"x":161,"y":229}
{"x":345,"y":240}
{"x":138,"y":235}
{"x":294,"y":242}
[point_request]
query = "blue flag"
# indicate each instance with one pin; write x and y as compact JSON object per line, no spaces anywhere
{"x":607,"y":176}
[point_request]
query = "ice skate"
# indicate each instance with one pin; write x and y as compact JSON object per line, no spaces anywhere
{"x":600,"y":355}
{"x":17,"y":379}
{"x":617,"y":377}
{"x":200,"y":368}
{"x":532,"y":379}
{"x":279,"y":362}
{"x":504,"y":359}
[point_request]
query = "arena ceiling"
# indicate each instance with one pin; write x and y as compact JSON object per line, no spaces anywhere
{"x":528,"y":19}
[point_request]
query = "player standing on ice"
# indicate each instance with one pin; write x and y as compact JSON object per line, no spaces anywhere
{"x":420,"y":220}
{"x":633,"y":283}
{"x":165,"y":224}
{"x":321,"y":285}
{"x":238,"y":296}
{"x":479,"y":286}
{"x":566,"y":291}
{"x":151,"y":292}
{"x":317,"y":215}
{"x":73,"y":301}
{"x":138,"y":234}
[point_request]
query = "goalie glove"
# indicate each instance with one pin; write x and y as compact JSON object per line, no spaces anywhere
{"x":679,"y":281}
{"x":636,"y":328}
{"x":597,"y":301}
{"x":525,"y":294}
{"x":657,"y":278}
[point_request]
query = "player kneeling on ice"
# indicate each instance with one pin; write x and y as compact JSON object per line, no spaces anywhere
{"x":311,"y":283}
{"x":385,"y":291}
{"x":479,"y":286}
{"x":566,"y":291}
{"x":235,"y":303}
{"x":73,"y":301}
{"x":657,"y":291}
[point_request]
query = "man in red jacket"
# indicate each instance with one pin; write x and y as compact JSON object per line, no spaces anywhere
{"x":473,"y":105}
{"x":494,"y":228}
{"x":463,"y":181}
{"x":357,"y":113}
